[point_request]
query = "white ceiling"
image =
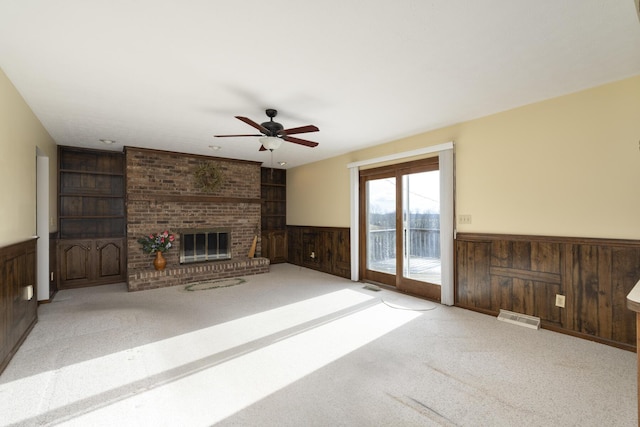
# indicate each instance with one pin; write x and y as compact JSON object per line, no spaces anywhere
{"x":169,"y":74}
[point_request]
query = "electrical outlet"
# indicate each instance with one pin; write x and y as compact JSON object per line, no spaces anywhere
{"x":560,"y":300}
{"x":464,"y":219}
{"x":313,"y":255}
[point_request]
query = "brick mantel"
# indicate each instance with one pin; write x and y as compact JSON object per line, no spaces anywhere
{"x":184,"y":199}
{"x":162,"y":194}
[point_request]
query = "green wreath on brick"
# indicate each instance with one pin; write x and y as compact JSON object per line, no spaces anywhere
{"x":208,"y":176}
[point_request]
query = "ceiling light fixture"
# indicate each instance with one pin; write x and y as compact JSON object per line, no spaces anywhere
{"x":271,"y":142}
{"x":282,"y":163}
{"x":215,"y":147}
{"x":107,"y":141}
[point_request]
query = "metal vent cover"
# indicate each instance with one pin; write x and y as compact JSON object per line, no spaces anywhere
{"x":519,"y":319}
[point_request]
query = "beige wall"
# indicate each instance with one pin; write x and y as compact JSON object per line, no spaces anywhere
{"x":20,"y":133}
{"x":568,"y":166}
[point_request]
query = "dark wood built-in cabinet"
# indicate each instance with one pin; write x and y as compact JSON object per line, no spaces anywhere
{"x":273,"y":187}
{"x":91,"y":261}
{"x":92,"y":221}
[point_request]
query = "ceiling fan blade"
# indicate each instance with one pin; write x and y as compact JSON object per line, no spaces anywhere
{"x":254,"y":124}
{"x":300,"y":141}
{"x":225,"y":136}
{"x":301,"y":129}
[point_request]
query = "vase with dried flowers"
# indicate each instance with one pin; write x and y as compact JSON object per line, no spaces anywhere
{"x":157,"y":243}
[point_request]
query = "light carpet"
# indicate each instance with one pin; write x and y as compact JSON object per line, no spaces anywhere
{"x":296,"y":347}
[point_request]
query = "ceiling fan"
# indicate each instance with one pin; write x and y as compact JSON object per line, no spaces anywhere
{"x":273,"y":133}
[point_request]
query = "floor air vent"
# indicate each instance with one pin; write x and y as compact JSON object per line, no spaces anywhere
{"x":519,"y":319}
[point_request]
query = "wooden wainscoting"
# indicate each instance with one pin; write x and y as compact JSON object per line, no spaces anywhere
{"x":525,"y":273}
{"x":326,"y":249}
{"x":18,"y":313}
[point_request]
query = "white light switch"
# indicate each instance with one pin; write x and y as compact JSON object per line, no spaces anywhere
{"x":464,"y":219}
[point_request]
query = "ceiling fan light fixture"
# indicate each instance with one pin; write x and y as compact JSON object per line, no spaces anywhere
{"x":273,"y":133}
{"x":271,"y":142}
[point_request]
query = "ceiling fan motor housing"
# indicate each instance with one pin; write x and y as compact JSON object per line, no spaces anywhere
{"x":272,"y":127}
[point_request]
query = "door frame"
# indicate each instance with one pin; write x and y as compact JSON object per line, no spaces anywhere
{"x":42,"y":226}
{"x":447,"y":164}
{"x":397,"y":171}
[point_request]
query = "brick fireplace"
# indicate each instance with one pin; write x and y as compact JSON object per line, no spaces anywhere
{"x":163,"y":193}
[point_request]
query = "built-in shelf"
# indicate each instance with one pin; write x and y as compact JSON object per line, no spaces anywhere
{"x":105,"y":196}
{"x":91,"y":217}
{"x":92,"y":172}
{"x":273,"y":189}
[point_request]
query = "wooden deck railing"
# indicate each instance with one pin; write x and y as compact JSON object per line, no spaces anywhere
{"x":424,"y":243}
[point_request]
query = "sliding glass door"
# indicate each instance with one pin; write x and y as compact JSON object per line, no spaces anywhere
{"x":401,"y":226}
{"x":421,"y":226}
{"x":381,"y":225}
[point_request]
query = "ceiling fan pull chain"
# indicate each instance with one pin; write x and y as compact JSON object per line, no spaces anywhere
{"x":271,"y":165}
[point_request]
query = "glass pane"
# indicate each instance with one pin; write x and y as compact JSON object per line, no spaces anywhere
{"x":200,"y":245}
{"x":381,"y":225}
{"x":224,"y":249}
{"x":188,"y":245}
{"x":421,"y":226}
{"x":212,"y":245}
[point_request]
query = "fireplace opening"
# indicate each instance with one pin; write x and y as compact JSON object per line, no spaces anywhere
{"x":207,"y":245}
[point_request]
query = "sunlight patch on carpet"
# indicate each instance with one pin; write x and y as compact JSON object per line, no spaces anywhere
{"x":214,"y":284}
{"x":229,"y":365}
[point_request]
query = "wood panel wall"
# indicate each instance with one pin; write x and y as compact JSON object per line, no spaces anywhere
{"x":17,"y":314}
{"x":325,"y":249}
{"x":525,"y":273}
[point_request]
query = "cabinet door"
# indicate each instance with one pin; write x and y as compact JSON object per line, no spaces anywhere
{"x":91,"y":262}
{"x":76,"y":262}
{"x":274,"y":246}
{"x":110,"y":260}
{"x":265,"y":244}
{"x":278,"y":250}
